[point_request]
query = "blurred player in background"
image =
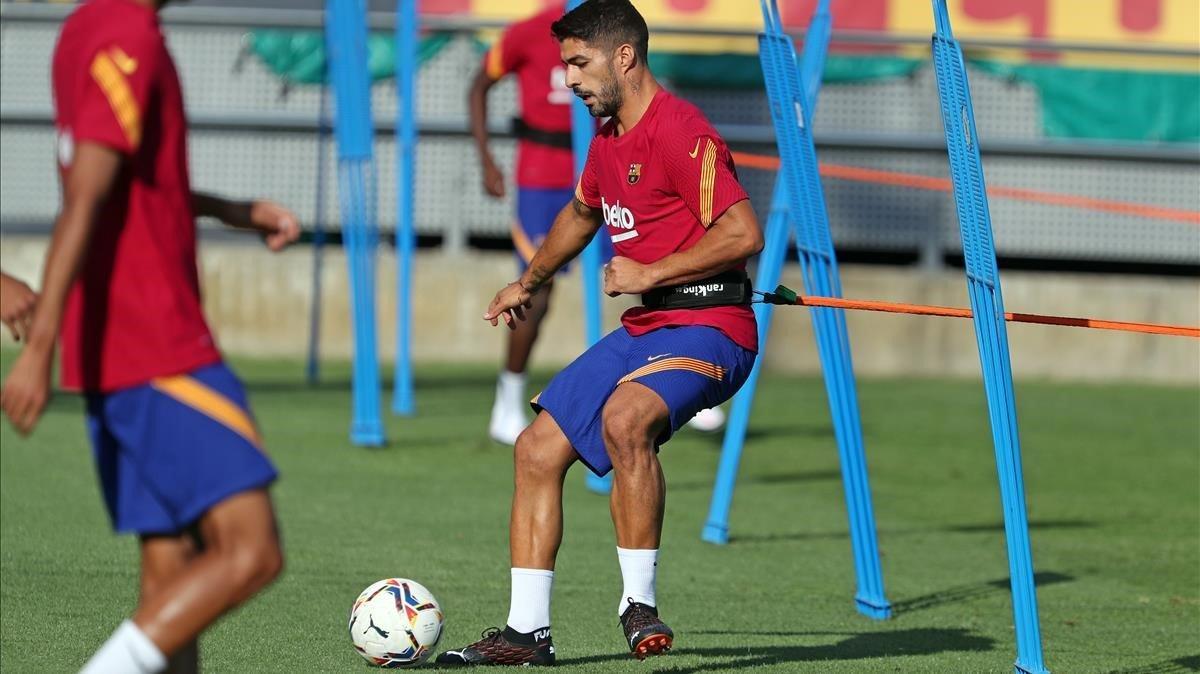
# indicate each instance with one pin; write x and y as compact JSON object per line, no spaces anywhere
{"x":661,"y":184}
{"x":544,"y":177}
{"x":17,"y":302}
{"x":545,"y":184}
{"x":178,"y":453}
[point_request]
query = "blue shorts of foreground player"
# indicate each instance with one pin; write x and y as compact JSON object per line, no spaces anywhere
{"x":691,"y":368}
{"x":171,"y":449}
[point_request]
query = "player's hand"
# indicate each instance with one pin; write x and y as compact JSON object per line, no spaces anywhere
{"x":278,"y":225}
{"x":623,"y":276}
{"x":493,"y":180}
{"x":509,"y":305}
{"x":16,"y":306}
{"x":27,"y":389}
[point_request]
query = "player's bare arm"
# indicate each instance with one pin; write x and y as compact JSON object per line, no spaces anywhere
{"x":17,"y":302}
{"x":730,"y":241}
{"x":573,"y":229}
{"x":477,"y":109}
{"x":85,"y":189}
{"x":278,"y":226}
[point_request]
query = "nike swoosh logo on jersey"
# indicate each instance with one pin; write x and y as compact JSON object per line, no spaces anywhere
{"x":125,"y":62}
{"x":695,"y":150}
{"x":653,"y":358}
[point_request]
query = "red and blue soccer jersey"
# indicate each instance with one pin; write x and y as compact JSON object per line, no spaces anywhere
{"x":660,"y":186}
{"x":135,"y":312}
{"x":528,"y":50}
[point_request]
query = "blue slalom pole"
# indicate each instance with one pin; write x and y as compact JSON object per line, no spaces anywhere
{"x":770,"y":266}
{"x":991,"y":332}
{"x":406,"y":157}
{"x":583,"y":128}
{"x":346,"y":41}
{"x":312,"y":368}
{"x":792,"y":114}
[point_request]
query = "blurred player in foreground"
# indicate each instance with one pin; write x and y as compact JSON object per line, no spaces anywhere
{"x":178,"y":453}
{"x":661,"y":183}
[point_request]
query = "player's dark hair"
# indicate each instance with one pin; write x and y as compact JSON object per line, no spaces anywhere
{"x":608,"y":23}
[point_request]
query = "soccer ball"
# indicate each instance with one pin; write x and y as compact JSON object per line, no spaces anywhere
{"x":395,"y":622}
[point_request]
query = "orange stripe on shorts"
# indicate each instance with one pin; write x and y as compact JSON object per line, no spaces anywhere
{"x":210,"y":403}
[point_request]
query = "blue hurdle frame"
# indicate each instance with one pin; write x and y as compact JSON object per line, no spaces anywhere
{"x":583,"y":129}
{"x":346,"y":44}
{"x":406,"y":159}
{"x":991,"y":333}
{"x":793,"y":92}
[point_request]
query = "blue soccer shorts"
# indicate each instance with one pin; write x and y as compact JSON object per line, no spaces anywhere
{"x":690,"y":367}
{"x":536,"y":210}
{"x":169,"y":450}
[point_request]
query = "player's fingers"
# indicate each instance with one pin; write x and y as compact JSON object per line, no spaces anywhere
{"x":519,"y":313}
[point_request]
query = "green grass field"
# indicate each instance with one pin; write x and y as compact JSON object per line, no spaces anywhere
{"x":1112,"y":472}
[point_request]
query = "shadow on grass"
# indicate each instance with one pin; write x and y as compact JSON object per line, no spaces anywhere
{"x":1035,"y":524}
{"x":1189,"y":663}
{"x":776,"y":478}
{"x":955,"y":529}
{"x":972,"y":591}
{"x":925,"y":641}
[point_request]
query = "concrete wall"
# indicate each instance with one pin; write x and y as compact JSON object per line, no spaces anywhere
{"x":258,"y":305}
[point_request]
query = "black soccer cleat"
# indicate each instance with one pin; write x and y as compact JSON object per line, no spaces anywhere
{"x":645,"y":633}
{"x":504,"y":647}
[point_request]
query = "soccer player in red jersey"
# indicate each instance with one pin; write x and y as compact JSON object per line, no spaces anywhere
{"x":661,"y":184}
{"x":544,"y":170}
{"x":178,"y":453}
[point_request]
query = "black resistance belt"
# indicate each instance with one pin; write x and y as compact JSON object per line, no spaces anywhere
{"x":561,"y":139}
{"x":726,"y":288}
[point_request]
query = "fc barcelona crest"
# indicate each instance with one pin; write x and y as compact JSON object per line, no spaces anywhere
{"x":635,"y":173}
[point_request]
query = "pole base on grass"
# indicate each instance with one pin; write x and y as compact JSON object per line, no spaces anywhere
{"x":715,"y":533}
{"x":877,"y":609}
{"x":1018,"y":668}
{"x":366,"y":435}
{"x":599,"y":485}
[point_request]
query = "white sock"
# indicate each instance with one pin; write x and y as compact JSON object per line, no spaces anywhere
{"x":510,"y":387}
{"x":127,"y":651}
{"x":638,"y":571}
{"x":529,"y":605}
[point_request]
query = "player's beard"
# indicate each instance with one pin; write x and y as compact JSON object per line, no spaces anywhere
{"x":609,"y":98}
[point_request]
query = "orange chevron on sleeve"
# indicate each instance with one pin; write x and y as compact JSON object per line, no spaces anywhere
{"x":111,"y":80}
{"x":708,"y":180}
{"x":210,"y":403}
{"x":495,"y":62}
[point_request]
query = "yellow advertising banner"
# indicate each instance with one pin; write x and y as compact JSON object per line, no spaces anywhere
{"x":1143,"y":23}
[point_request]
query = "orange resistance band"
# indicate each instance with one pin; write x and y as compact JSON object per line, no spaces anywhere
{"x":920,"y":182}
{"x":955,"y":312}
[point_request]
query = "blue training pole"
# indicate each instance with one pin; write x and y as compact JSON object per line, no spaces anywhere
{"x":792,"y":112}
{"x":346,"y":41}
{"x":406,"y":157}
{"x":312,"y":368}
{"x":583,"y":128}
{"x":987,"y":305}
{"x":770,"y":267}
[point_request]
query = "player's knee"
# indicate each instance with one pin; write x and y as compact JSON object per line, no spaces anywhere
{"x":531,"y":457}
{"x":255,"y":563}
{"x":625,"y":432}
